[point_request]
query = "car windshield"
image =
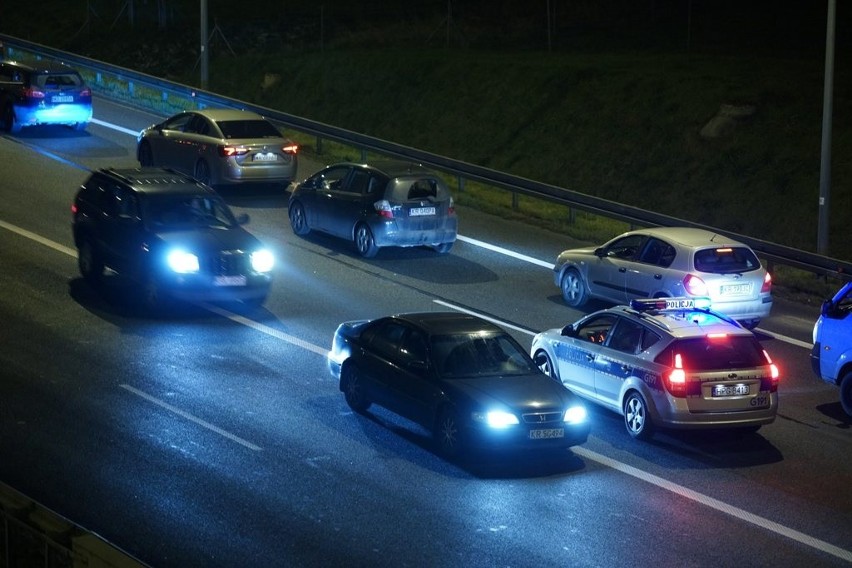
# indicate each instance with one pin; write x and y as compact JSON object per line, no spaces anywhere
{"x":182,"y":212}
{"x":478,"y":355}
{"x":234,"y":129}
{"x":720,"y":353}
{"x":726,"y":260}
{"x":58,"y":80}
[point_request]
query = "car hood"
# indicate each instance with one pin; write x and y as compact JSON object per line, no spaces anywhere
{"x":570,"y":253}
{"x":211,"y":239}
{"x":520,"y":392}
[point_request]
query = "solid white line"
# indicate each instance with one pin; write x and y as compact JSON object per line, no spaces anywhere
{"x":189,"y":416}
{"x":505,"y":251}
{"x":39,"y":239}
{"x":133,"y":133}
{"x":716,"y":504}
{"x":786,"y":339}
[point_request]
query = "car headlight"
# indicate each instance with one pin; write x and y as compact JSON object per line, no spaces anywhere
{"x":182,"y":262}
{"x":262,"y":260}
{"x":575,"y":415}
{"x":496,"y":418}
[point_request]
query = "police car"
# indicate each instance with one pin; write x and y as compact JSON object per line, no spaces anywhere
{"x":664,"y":363}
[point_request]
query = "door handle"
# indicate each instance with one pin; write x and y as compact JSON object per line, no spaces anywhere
{"x":622,"y":269}
{"x":658,"y":276}
{"x":590,"y":357}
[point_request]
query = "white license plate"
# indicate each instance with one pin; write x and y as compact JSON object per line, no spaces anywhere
{"x":229,"y":281}
{"x":735,"y":289}
{"x":267,"y":157}
{"x":547,"y":433}
{"x":62,"y":99}
{"x":420,"y":211}
{"x":730,"y":390}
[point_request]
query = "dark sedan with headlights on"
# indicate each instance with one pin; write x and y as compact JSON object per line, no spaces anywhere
{"x":462,"y":378}
{"x":174,"y":236}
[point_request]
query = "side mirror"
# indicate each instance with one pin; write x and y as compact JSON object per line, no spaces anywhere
{"x":243,"y":219}
{"x":600,"y":252}
{"x":569,"y":331}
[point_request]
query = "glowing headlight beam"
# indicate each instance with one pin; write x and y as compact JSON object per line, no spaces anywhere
{"x":182,"y":262}
{"x":262,"y":260}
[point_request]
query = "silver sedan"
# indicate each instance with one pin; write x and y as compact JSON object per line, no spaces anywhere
{"x":220,"y":147}
{"x":669,"y":262}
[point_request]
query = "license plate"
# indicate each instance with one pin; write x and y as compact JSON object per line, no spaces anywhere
{"x":730,"y":390}
{"x":229,"y":281}
{"x":419,"y":211}
{"x":735,"y":289}
{"x":267,"y":157}
{"x":62,"y":99}
{"x":547,"y":433}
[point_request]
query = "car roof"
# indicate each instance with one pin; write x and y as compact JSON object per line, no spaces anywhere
{"x":217,"y":114}
{"x":689,"y":236}
{"x":682,"y":324}
{"x":443,"y":323}
{"x":158,"y":181}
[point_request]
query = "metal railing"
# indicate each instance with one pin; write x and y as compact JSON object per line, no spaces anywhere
{"x":124,"y":84}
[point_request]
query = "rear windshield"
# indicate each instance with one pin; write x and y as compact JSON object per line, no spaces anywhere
{"x":416,"y":189}
{"x":58,"y":80}
{"x":715,"y":353}
{"x":726,"y":260}
{"x":233,"y":129}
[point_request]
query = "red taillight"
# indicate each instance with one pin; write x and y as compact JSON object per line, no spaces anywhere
{"x":676,"y":380}
{"x":86,"y":92}
{"x":694,"y":285}
{"x":33,"y":93}
{"x":383,"y":207}
{"x":767,"y":283}
{"x":73,"y":208}
{"x":451,"y":207}
{"x":290,"y":149}
{"x":228,"y":151}
{"x":774,"y":374}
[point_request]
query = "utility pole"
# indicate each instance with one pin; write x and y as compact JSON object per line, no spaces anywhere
{"x":204,"y":51}
{"x":825,"y":161}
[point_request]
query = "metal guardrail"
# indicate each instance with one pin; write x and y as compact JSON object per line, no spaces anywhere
{"x":175,"y":96}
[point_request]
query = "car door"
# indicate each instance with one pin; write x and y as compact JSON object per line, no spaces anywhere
{"x":346,"y":203}
{"x":577,"y":353}
{"x":120,"y":232}
{"x":645,"y":277}
{"x":323,"y":191}
{"x":168,"y":144}
{"x":607,"y":275}
{"x":617,"y":360}
{"x":835,"y":332}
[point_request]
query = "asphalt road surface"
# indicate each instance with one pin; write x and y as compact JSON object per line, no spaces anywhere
{"x":214,"y":435}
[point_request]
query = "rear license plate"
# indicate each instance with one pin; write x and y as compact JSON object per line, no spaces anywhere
{"x":735,"y":289}
{"x":546,"y":434}
{"x":229,"y":281}
{"x":419,"y":211}
{"x":62,"y":99}
{"x":730,"y":390}
{"x":267,"y":157}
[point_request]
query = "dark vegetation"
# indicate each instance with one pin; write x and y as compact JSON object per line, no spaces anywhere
{"x":607,"y":97}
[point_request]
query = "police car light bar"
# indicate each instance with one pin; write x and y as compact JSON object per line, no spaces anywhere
{"x":646,"y":304}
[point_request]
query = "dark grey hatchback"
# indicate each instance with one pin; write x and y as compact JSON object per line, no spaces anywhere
{"x":387,"y":203}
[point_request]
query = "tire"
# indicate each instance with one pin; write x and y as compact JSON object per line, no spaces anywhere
{"x":352,"y":386}
{"x":846,"y":392}
{"x":298,"y":220}
{"x":447,"y":434}
{"x":574,"y":290}
{"x":153,"y":298}
{"x":202,"y":172}
{"x":146,"y":155}
{"x":543,"y":362}
{"x":636,"y":418}
{"x":90,"y":263}
{"x":443,"y":248}
{"x":365,"y":244}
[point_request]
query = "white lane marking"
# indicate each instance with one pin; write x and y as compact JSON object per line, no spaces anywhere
{"x":505,"y":251}
{"x":38,"y":238}
{"x":190,"y":417}
{"x":721,"y":506}
{"x":105,"y":124}
{"x":790,"y":340}
{"x":589,"y":454}
{"x":492,"y":320}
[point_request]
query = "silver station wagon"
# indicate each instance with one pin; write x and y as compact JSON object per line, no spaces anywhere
{"x":664,"y":363}
{"x":669,"y":262}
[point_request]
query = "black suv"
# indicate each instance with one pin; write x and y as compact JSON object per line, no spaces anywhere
{"x":169,"y":232}
{"x":46,"y":93}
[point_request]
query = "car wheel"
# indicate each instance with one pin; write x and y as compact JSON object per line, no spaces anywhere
{"x":542,"y":360}
{"x":573,"y":288}
{"x":636,"y":417}
{"x":89,"y":262}
{"x":364,"y":241}
{"x":298,"y":220}
{"x":146,"y":155}
{"x":202,"y":172}
{"x":353,"y":389}
{"x":153,"y":297}
{"x":9,"y":122}
{"x":846,"y":392}
{"x":447,"y":433}
{"x":750,"y":324}
{"x":443,"y":248}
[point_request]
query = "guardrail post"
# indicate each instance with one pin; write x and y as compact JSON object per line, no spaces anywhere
{"x":363,"y":156}
{"x":461,"y":184}
{"x":514,"y":200}
{"x":319,"y":146}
